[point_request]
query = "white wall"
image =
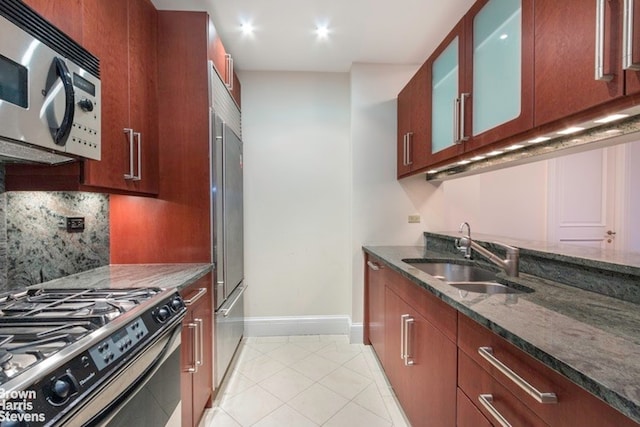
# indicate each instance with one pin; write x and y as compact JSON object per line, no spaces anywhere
{"x":297,"y":174}
{"x":381,"y":203}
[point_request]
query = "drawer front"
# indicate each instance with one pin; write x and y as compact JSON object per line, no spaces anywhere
{"x":575,"y":406}
{"x":477,"y":384}
{"x":436,"y":311}
{"x":467,"y":413}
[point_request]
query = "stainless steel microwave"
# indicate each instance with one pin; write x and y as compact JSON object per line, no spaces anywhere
{"x":49,"y":91}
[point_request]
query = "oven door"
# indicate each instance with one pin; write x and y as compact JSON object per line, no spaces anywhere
{"x":145,"y":393}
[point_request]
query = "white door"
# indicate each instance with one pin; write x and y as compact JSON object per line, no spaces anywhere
{"x":582,"y":199}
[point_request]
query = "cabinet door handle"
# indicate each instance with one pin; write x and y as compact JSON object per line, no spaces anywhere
{"x":409,"y":139}
{"x":194,"y":354}
{"x":540,"y":397}
{"x":196,"y":297}
{"x":229,"y":61}
{"x":408,"y":345}
{"x":600,"y":17}
{"x":486,"y":400}
{"x":131,"y":174}
{"x":402,"y":335}
{"x":462,"y":114}
{"x":456,"y":128}
{"x":372,"y":265}
{"x":138,"y":137}
{"x":404,"y":149}
{"x":627,"y":38}
{"x":199,"y":360}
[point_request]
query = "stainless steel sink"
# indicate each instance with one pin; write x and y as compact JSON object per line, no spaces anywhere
{"x":465,"y":277}
{"x":450,"y":272}
{"x":484,"y":287}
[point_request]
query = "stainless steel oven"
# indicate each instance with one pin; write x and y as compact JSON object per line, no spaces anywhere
{"x":100,"y":357}
{"x":49,"y":91}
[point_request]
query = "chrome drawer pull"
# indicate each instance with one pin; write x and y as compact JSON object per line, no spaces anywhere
{"x":408,"y":348}
{"x":373,"y":266}
{"x":540,"y":397}
{"x":627,"y":38}
{"x":403,"y":336}
{"x":486,"y":400}
{"x":600,"y":18}
{"x":196,"y":297}
{"x":194,"y":354}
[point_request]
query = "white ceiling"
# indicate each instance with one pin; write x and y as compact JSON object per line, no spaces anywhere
{"x":370,"y":31}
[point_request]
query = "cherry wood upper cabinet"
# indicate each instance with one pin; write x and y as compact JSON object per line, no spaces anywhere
{"x":128,"y":60}
{"x":123,"y":35}
{"x":477,"y":87}
{"x":68,"y":18}
{"x":566,"y":58}
{"x":413,"y":141}
{"x":223,"y":63}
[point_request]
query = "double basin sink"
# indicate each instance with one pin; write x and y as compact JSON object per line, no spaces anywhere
{"x":463,"y":276}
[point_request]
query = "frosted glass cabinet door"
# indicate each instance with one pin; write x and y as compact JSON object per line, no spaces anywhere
{"x":497,"y":62}
{"x":444,"y":92}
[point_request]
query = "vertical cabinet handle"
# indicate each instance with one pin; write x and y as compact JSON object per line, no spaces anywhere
{"x":199,"y":360}
{"x":405,"y":346}
{"x":402,"y":334}
{"x":627,"y":38}
{"x":487,"y":401}
{"x":194,"y":368}
{"x":540,"y":397}
{"x":408,"y":347}
{"x":229,"y":63}
{"x":456,"y":127}
{"x":600,"y":18}
{"x":404,"y":150}
{"x":138,"y":136}
{"x":409,"y":140}
{"x":130,"y":175}
{"x":462,"y":136}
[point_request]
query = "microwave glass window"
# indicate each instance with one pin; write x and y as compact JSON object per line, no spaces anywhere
{"x":13,"y":82}
{"x":84,"y":84}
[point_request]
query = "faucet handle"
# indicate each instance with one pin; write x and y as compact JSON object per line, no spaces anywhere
{"x":511,"y":250}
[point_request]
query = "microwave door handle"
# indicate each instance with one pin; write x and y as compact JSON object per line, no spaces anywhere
{"x":61,"y":134}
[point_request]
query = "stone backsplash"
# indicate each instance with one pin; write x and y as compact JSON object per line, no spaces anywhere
{"x":34,"y":247}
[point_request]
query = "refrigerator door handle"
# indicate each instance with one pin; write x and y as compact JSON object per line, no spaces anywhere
{"x":225,"y":311}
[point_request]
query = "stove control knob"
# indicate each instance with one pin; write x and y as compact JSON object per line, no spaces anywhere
{"x":162,"y":314}
{"x":177,"y":304}
{"x":61,"y":389}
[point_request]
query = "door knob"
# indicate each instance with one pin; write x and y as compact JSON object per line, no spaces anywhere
{"x":611,"y":233}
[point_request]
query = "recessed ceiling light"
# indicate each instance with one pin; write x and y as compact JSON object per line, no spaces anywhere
{"x":322,"y":31}
{"x":611,"y":118}
{"x":504,"y":36}
{"x":247,"y":28}
{"x":570,"y":130}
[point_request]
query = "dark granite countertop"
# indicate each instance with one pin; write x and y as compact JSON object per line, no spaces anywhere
{"x":592,"y":339}
{"x":133,"y":276}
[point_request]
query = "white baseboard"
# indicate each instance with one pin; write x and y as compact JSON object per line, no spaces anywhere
{"x":356,"y":333}
{"x":296,"y":325}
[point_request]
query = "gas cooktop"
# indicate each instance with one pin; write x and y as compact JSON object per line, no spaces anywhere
{"x":37,"y":323}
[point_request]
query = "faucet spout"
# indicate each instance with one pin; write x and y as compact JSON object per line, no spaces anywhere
{"x":510,"y":264}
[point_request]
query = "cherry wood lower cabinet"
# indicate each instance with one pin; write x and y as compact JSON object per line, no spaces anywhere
{"x":375,"y":273}
{"x":418,"y":357}
{"x":196,"y":356}
{"x":467,"y":415}
{"x":477,"y":375}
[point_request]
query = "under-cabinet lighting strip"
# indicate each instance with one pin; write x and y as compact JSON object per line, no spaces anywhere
{"x":623,"y":123}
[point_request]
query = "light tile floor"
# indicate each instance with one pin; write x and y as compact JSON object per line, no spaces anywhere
{"x":300,"y":381}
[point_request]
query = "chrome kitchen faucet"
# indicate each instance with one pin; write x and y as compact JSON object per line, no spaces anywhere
{"x":510,"y":264}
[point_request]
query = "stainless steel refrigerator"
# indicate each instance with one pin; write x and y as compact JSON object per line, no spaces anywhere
{"x":227,"y":242}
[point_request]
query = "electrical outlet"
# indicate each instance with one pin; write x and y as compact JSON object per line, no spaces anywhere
{"x":414,"y":219}
{"x":75,"y":224}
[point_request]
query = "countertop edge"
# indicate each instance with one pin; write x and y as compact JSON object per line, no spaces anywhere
{"x":621,"y":403}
